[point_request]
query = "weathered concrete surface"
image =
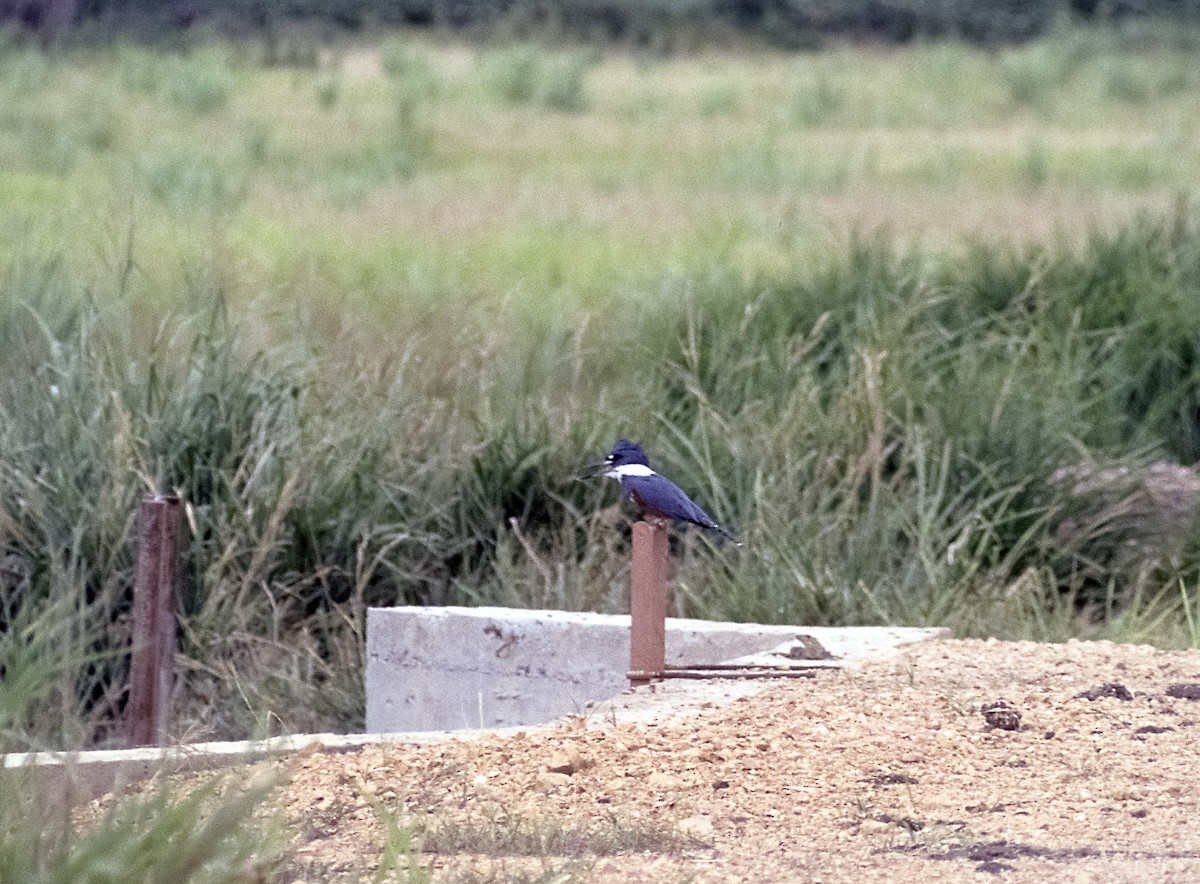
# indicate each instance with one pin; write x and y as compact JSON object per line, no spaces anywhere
{"x":450,"y":668}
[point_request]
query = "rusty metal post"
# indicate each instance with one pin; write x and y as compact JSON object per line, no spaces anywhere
{"x":156,"y":583}
{"x":648,"y":603}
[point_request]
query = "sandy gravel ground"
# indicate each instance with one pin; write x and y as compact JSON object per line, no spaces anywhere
{"x":889,"y":772}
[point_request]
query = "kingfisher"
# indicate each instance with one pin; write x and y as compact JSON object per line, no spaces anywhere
{"x":656,"y":496}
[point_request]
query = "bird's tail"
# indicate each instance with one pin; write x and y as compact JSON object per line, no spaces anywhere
{"x":717,"y":529}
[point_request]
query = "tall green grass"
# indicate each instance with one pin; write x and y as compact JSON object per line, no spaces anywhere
{"x":368,"y":312}
{"x":898,"y":438}
{"x":526,"y":74}
{"x":210,"y":835}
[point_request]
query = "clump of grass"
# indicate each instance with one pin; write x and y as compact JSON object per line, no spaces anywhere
{"x":54,"y":139}
{"x":564,"y":81}
{"x":512,"y":74}
{"x":509,"y":834}
{"x":405,"y":62}
{"x":1035,"y":74}
{"x":257,"y":140}
{"x":815,"y":103}
{"x":26,"y":70}
{"x":1128,"y":83}
{"x":139,"y":71}
{"x":413,"y":82}
{"x":525,"y":74}
{"x":54,"y":148}
{"x":355,"y":173}
{"x":399,"y":861}
{"x":201,"y":837}
{"x":1035,"y":164}
{"x":328,"y":88}
{"x":200,"y":82}
{"x":718,"y":101}
{"x":55,"y":654}
{"x":185,"y":181}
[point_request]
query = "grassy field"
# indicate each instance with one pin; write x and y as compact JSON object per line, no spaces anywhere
{"x":381,"y":174}
{"x":920,"y":324}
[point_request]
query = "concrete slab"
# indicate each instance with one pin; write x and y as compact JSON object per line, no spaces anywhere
{"x":450,"y":668}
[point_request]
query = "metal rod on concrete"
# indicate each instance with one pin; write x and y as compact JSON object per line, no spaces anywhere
{"x":703,"y":672}
{"x":648,"y":603}
{"x":156,"y":582}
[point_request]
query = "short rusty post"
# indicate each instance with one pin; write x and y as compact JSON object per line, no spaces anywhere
{"x":648,"y":603}
{"x":156,"y":583}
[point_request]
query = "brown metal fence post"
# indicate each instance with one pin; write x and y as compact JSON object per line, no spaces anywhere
{"x":648,"y":603}
{"x":156,"y":582}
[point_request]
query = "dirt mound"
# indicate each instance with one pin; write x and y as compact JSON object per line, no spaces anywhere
{"x":889,"y":772}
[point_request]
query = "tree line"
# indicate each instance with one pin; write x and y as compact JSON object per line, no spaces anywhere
{"x":786,"y":22}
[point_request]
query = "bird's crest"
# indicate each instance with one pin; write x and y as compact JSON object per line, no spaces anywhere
{"x":626,"y":452}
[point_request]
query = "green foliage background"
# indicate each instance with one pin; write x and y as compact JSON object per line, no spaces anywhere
{"x":368,"y":322}
{"x":656,"y":22}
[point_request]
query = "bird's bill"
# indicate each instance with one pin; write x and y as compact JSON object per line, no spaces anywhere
{"x":595,"y":470}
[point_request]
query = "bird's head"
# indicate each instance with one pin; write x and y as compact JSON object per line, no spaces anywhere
{"x":622,"y":454}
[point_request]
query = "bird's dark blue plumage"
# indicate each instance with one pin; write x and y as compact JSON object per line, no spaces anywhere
{"x":654,"y":494}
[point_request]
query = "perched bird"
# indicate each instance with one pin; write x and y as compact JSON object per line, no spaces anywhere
{"x":656,"y":496}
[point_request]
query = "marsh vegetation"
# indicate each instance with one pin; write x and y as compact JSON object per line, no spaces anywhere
{"x":919,"y":322}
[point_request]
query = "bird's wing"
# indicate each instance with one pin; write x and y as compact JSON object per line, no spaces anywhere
{"x":659,"y":493}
